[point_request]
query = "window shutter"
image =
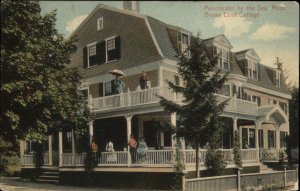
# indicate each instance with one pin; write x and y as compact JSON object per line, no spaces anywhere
{"x":215,"y":51}
{"x":258,"y":71}
{"x":101,"y":52}
{"x":85,"y":61}
{"x":101,"y":93}
{"x":246,"y":65}
{"x":231,"y":60}
{"x":118,"y":47}
{"x":178,"y":36}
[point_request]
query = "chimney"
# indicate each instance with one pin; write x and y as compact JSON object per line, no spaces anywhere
{"x":131,"y":6}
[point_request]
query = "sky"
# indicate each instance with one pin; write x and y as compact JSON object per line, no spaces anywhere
{"x":271,"y":28}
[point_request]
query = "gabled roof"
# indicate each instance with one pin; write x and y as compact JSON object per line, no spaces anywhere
{"x":221,"y":39}
{"x":249,"y":52}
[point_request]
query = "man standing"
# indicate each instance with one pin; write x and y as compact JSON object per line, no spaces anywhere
{"x":143,"y":81}
{"x":132,"y":147}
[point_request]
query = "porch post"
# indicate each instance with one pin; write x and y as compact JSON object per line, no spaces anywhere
{"x":173,"y":122}
{"x":50,"y":149}
{"x":73,"y":146}
{"x":162,"y":141}
{"x":257,"y":127}
{"x":235,"y":127}
{"x":91,"y":130}
{"x":60,"y":147}
{"x":22,"y":144}
{"x":128,"y":123}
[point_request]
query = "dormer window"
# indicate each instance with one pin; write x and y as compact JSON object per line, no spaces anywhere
{"x":277,"y":78}
{"x":183,"y":41}
{"x":251,"y":70}
{"x":223,"y":58}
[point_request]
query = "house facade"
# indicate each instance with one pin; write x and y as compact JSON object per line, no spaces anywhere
{"x":124,"y":39}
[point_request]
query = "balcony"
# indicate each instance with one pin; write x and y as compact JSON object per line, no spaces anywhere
{"x":149,"y":96}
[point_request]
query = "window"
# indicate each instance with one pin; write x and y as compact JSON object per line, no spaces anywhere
{"x":185,"y":44}
{"x":111,"y":49}
{"x":277,"y":78}
{"x":283,"y":106}
{"x":244,"y":137}
{"x":258,"y":101}
{"x":283,"y":135}
{"x":251,"y":70}
{"x":92,"y":60}
{"x":252,"y":138}
{"x":224,"y":90}
{"x":271,"y":139}
{"x":223,"y":58}
{"x":237,"y":91}
{"x":254,"y":98}
{"x":107,"y":87}
{"x":102,"y":52}
{"x":100,"y":24}
{"x":261,"y":138}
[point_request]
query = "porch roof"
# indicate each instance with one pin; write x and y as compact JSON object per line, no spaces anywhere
{"x":273,"y":112}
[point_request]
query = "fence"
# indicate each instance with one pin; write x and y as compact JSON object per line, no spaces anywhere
{"x":235,"y":182}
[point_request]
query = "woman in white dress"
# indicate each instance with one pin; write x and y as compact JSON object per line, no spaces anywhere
{"x":111,"y":157}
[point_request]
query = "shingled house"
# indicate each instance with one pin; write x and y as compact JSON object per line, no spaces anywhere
{"x":111,"y":38}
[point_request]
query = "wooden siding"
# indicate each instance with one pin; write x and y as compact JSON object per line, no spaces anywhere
{"x":137,"y":45}
{"x":168,"y":75}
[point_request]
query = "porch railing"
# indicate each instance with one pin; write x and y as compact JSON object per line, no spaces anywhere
{"x":28,"y":159}
{"x":155,"y":157}
{"x":118,"y":158}
{"x":249,"y":154}
{"x":158,"y":157}
{"x":148,"y":96}
{"x":269,"y":154}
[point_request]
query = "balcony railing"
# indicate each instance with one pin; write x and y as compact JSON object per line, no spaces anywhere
{"x":149,"y":96}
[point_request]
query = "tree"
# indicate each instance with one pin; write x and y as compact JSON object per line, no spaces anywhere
{"x":237,"y":149}
{"x":293,"y":138}
{"x":40,"y":91}
{"x":199,"y":113}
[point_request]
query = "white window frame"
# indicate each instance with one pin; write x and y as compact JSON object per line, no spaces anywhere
{"x":100,"y":24}
{"x":251,"y":65}
{"x":189,"y":42}
{"x":106,"y":51}
{"x":223,"y":53}
{"x":104,"y":87}
{"x":277,"y":77}
{"x":88,"y":53}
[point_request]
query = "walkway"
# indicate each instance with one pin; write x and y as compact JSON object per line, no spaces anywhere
{"x":15,"y":184}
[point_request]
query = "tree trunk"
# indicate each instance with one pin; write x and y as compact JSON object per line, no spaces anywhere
{"x":197,"y":158}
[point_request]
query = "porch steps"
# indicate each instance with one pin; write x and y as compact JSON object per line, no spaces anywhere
{"x":48,"y":176}
{"x":264,"y":168}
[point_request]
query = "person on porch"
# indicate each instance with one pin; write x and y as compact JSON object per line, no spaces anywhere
{"x":144,"y":81}
{"x":142,"y":149}
{"x":117,"y":85}
{"x":111,"y":157}
{"x":94,"y":148}
{"x":132,"y":148}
